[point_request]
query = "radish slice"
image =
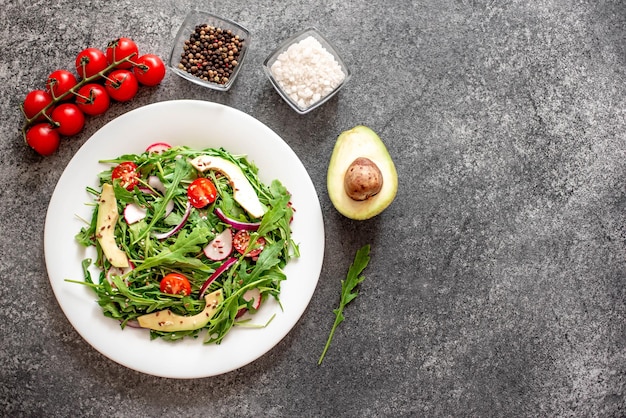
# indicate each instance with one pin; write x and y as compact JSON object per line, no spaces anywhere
{"x":158,"y":147}
{"x":177,"y":228}
{"x":156,"y":184}
{"x":221,"y":246}
{"x":134,"y":213}
{"x":249,"y":226}
{"x":118,"y":271}
{"x":253,"y":295}
{"x":221,"y":269}
{"x":169,"y":208}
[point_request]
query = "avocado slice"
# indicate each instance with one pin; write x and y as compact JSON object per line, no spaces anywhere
{"x":105,"y":227}
{"x":362,"y":180}
{"x":168,"y":321}
{"x":243,"y":192}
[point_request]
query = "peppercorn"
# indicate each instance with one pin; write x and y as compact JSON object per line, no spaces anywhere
{"x":211,"y":53}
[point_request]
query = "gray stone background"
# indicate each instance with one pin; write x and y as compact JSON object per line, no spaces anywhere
{"x":497,"y":281}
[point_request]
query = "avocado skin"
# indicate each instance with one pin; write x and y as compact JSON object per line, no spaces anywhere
{"x":360,"y":141}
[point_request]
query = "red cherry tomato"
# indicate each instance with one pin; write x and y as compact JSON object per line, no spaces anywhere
{"x":241,"y":240}
{"x":127,"y":174}
{"x":149,"y":69}
{"x":119,"y":49}
{"x":175,"y":284}
{"x":70,"y":119}
{"x":90,"y":62}
{"x":93,"y":99}
{"x":59,"y":83}
{"x":43,"y":138}
{"x":121,"y":85}
{"x":201,"y":192}
{"x":35,"y":102}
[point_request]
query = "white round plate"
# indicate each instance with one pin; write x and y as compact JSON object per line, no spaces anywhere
{"x":199,"y":125}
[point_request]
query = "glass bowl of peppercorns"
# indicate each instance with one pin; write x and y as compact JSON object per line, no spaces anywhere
{"x":306,"y":70}
{"x":209,"y":50}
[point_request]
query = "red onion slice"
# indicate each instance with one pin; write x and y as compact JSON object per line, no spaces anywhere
{"x":249,"y":226}
{"x":177,"y":228}
{"x":221,"y":269}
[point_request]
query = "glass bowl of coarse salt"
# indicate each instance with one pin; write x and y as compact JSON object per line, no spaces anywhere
{"x":306,"y":70}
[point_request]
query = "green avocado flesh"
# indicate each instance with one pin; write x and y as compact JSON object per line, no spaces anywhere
{"x":168,"y":321}
{"x":360,"y":142}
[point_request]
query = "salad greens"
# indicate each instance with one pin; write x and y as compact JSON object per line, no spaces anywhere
{"x":126,"y":294}
{"x":348,"y":291}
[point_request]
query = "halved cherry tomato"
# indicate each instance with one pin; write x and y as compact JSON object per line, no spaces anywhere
{"x":93,"y":99}
{"x":127,"y":174}
{"x":121,"y":85}
{"x":119,"y":49}
{"x":35,"y":102}
{"x":43,"y":138}
{"x":70,"y":119}
{"x":241,"y":240}
{"x":201,"y":192}
{"x":175,"y":284}
{"x":149,"y":69}
{"x":60,"y":82}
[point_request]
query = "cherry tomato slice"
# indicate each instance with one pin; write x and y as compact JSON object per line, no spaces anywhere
{"x":121,"y":85}
{"x":201,"y":192}
{"x":241,"y":240}
{"x":90,"y":62}
{"x":43,"y":138}
{"x":149,"y":69}
{"x":60,"y":82}
{"x":127,"y":174}
{"x":70,"y":119}
{"x":119,"y":49}
{"x":93,"y":99}
{"x":175,"y":284}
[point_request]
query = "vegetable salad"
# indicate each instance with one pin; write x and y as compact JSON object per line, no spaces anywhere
{"x":200,"y":238}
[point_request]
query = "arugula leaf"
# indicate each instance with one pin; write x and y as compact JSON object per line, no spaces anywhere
{"x":186,"y":243}
{"x":348,"y":291}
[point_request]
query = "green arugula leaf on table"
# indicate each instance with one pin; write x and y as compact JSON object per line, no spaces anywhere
{"x":348,"y":291}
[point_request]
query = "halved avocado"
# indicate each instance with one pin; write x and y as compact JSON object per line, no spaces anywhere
{"x":168,"y":321}
{"x":362,"y":180}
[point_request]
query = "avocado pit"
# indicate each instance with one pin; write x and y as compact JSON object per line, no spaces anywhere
{"x":363,"y":179}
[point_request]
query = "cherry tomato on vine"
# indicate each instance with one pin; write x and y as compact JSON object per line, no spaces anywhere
{"x":70,"y":119}
{"x":201,"y":192}
{"x":127,"y":174}
{"x":119,"y":49}
{"x":175,"y":284}
{"x":241,"y":240}
{"x":149,"y":69}
{"x":90,"y":62}
{"x":43,"y":138}
{"x":121,"y":85}
{"x":59,"y":83}
{"x":93,"y":99}
{"x":35,"y":102}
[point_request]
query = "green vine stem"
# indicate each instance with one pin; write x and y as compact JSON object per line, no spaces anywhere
{"x":73,"y":91}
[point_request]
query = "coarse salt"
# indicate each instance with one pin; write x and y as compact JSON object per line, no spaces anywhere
{"x":307,"y":72}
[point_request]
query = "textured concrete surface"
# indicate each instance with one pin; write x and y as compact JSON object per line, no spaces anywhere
{"x":498,"y":275}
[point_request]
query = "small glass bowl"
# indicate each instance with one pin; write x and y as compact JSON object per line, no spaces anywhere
{"x":271,"y":59}
{"x":194,"y":19}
